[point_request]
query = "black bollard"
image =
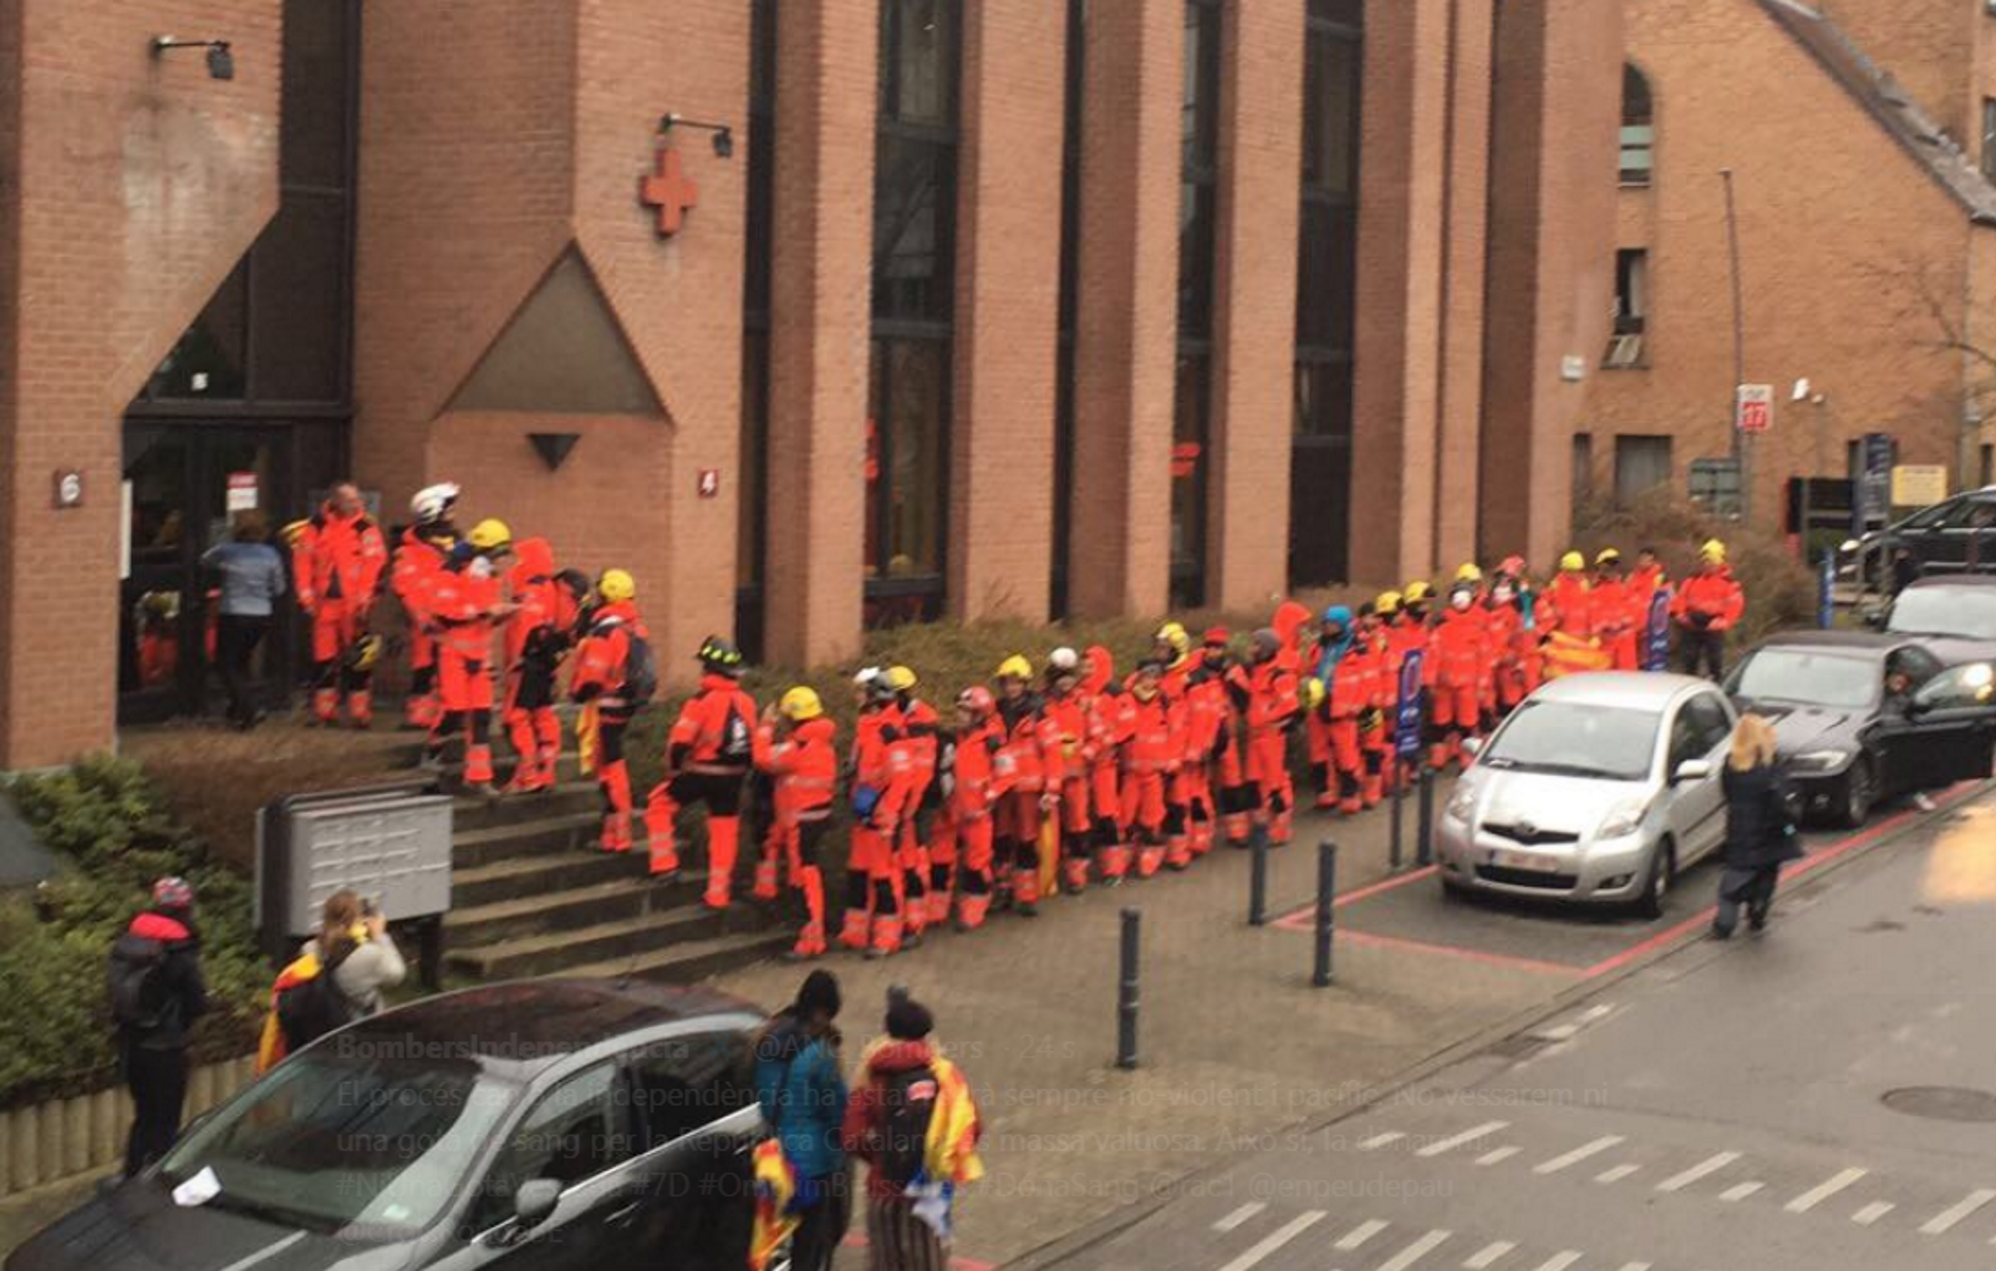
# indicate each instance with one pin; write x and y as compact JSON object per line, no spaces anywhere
{"x":1126,"y":993}
{"x":1327,"y":888}
{"x":1424,"y":833}
{"x":1257,"y":905}
{"x":1399,"y":792}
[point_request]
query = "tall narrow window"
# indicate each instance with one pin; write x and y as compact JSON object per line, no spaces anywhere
{"x":1642,"y":464}
{"x":1327,"y":258}
{"x":1989,"y":137}
{"x":1198,"y":198}
{"x":1070,"y":261}
{"x":1583,"y":472}
{"x":1625,"y":346}
{"x":914,"y":246}
{"x":1638,"y":128}
{"x":752,"y":527}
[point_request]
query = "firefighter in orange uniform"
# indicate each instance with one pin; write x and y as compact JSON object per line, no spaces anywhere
{"x":1150,"y":757}
{"x":1206,"y":733}
{"x":920,"y":736}
{"x":425,"y":548}
{"x":1569,"y":595}
{"x":1236,"y":795}
{"x":1067,"y":720}
{"x":1408,"y":632}
{"x":1506,"y":644}
{"x":961,"y":852}
{"x":466,"y":601}
{"x":1456,"y":671}
{"x":1708,"y":605}
{"x":1334,"y":639}
{"x":1273,"y":707}
{"x":1111,"y":717}
{"x":616,"y":674}
{"x":337,"y":561}
{"x":1649,"y":575}
{"x":797,"y":745}
{"x":1375,"y":734}
{"x":1024,"y":795}
{"x":880,"y":786}
{"x":538,"y":635}
{"x":708,"y":754}
{"x":1616,"y":616}
{"x":1341,"y":669}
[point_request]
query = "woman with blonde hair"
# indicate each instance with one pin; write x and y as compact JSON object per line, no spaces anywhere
{"x":1760,"y":829}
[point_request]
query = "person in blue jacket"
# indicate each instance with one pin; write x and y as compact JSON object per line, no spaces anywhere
{"x":803,"y":1097}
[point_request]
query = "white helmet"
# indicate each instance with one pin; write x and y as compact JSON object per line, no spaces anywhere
{"x":433,"y":503}
{"x":1064,"y":659}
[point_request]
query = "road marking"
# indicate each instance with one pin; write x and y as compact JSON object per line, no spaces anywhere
{"x":1616,"y":1174}
{"x":1577,"y":1155}
{"x":1824,"y":1190}
{"x":1239,"y":1216}
{"x":1635,"y":1266}
{"x":1963,"y":1208}
{"x":1872,"y":1213}
{"x":1467,"y":1136}
{"x":1710,"y":1165}
{"x":1380,"y":1140}
{"x":1360,"y":1234}
{"x":1560,"y":1261}
{"x":1740,"y":1191}
{"x":1488,"y":1255}
{"x":1414,"y":1252}
{"x":1275,"y":1240}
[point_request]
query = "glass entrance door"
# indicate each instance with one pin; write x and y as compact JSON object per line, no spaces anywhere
{"x":186,"y":482}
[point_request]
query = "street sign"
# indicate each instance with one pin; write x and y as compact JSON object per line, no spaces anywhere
{"x":1916,"y":485}
{"x":1407,"y":716}
{"x":1753,"y":410}
{"x":1872,"y":503}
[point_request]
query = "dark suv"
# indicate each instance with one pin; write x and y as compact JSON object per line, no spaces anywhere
{"x":1943,"y":538}
{"x":547,"y":1125}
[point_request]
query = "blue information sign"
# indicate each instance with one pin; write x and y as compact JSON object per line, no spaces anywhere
{"x":1656,"y":632}
{"x":1407,"y":716}
{"x":1826,"y":599}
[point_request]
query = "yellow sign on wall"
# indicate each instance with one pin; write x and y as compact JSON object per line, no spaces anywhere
{"x":1915,"y":485}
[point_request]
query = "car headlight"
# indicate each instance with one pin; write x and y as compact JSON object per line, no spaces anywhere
{"x":1462,"y":804}
{"x":1623,"y":820}
{"x":1850,"y":545}
{"x":1978,"y":677}
{"x":1820,"y":760}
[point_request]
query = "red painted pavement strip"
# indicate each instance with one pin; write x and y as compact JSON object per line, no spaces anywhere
{"x":1304,"y":919}
{"x":856,"y":1240}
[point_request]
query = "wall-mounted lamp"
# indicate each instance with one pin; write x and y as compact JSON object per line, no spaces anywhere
{"x":724,"y":136}
{"x":553,"y":447}
{"x":221,"y":62}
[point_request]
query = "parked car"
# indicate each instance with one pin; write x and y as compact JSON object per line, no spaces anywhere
{"x":1598,"y":788}
{"x":1938,"y":536}
{"x":535,"y":1125}
{"x":1954,"y":614}
{"x":1846,"y":742}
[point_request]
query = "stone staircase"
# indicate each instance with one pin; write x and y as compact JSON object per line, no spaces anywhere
{"x":531,"y":895}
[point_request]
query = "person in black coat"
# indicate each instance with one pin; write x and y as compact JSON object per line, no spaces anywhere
{"x":157,"y":993}
{"x":1760,"y":830}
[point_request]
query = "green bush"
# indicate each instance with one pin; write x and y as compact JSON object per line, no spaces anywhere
{"x":113,"y":835}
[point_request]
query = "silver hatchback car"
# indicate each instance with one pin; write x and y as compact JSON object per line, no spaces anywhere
{"x":1599,"y":788}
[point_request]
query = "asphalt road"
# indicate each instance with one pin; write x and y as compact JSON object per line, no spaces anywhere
{"x":1725,"y":1107}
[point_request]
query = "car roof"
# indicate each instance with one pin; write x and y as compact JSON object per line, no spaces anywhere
{"x":1868,"y":642}
{"x":525,"y":1026}
{"x":1643,"y":690}
{"x":1953,"y":580}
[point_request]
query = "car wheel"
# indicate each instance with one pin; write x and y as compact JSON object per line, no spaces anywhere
{"x":1662,"y":876}
{"x":1860,"y":792}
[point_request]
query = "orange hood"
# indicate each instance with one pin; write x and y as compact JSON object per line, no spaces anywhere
{"x":533,"y":558}
{"x":1104,"y":667}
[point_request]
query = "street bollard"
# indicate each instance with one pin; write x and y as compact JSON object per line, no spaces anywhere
{"x":1327,"y":888}
{"x":1257,"y":905}
{"x":1399,"y":790}
{"x":1424,"y":832}
{"x":1126,"y":993}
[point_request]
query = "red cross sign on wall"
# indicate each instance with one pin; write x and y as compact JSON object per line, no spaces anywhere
{"x":670,"y":191}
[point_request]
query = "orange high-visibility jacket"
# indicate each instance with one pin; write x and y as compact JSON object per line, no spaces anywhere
{"x":804,"y":768}
{"x":338,"y":558}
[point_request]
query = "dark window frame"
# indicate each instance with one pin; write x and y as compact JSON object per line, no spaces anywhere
{"x":759,"y":252}
{"x":1987,"y":159}
{"x":1199,"y":182}
{"x":1075,"y":82}
{"x":1638,"y":111}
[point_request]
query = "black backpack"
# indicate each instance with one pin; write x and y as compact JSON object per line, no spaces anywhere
{"x":907,"y":1102}
{"x":309,"y":1010}
{"x":137,"y":980}
{"x":737,"y":738}
{"x":640,"y":670}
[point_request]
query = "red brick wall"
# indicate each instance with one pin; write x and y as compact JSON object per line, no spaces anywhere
{"x":136,"y":185}
{"x":1457,"y":491}
{"x":1929,"y":46}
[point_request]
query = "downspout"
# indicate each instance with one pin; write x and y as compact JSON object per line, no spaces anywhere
{"x":1970,"y":423}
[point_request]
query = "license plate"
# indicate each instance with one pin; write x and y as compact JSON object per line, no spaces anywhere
{"x":1531,"y":861}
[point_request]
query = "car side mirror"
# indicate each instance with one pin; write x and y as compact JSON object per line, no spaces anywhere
{"x":535,"y":1202}
{"x":1472,"y":746}
{"x":1691,"y":770}
{"x":1875,"y":619}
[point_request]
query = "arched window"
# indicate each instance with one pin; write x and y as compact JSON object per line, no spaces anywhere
{"x":1638,"y":128}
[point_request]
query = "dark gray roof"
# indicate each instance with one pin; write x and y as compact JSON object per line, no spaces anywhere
{"x":1887,"y":101}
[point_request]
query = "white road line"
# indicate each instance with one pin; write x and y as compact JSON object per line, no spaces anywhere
{"x":1380,"y":1140}
{"x":1710,"y":1165}
{"x":1635,"y":1266}
{"x":1577,"y":1155}
{"x":1488,"y":1255}
{"x":1560,"y":1261}
{"x":1360,"y":1234}
{"x":1414,"y":1252}
{"x":1498,"y":1154}
{"x":1467,"y":1136}
{"x":1275,"y":1240}
{"x":1740,"y":1191}
{"x":1824,"y":1190}
{"x":1239,"y":1216}
{"x":1963,"y":1208}
{"x":1872,"y":1213}
{"x":1617,"y":1174}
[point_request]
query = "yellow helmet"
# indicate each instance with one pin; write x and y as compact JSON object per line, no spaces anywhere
{"x":1572,"y":563}
{"x":1469,"y":573}
{"x":1417,"y":591}
{"x":898,"y":678}
{"x":1173,"y":634}
{"x":1608,"y":556}
{"x":363,"y":654}
{"x":1014,"y":668}
{"x":616,"y":585}
{"x":801,"y":703}
{"x":294,"y":531}
{"x":1387,"y":604}
{"x":1714,"y":551}
{"x":491,"y":535}
{"x":1313,"y":693}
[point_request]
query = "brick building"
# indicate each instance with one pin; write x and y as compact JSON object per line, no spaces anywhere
{"x":969,"y":307}
{"x":1861,"y":138}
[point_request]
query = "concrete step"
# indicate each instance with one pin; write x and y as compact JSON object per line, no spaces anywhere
{"x":569,"y":910}
{"x":477,"y":812}
{"x":567,"y":769}
{"x":693,"y":961}
{"x":608,"y":942}
{"x":541,"y":874}
{"x":555,"y":833}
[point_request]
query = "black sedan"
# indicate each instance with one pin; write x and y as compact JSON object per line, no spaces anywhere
{"x":1955,"y":535}
{"x":1863,"y":718}
{"x":551,"y":1124}
{"x":1952,"y":614}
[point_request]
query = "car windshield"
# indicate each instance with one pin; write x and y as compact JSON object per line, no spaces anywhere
{"x":1576,"y":739}
{"x":1969,"y":612}
{"x":1808,"y":677}
{"x":369,"y":1147}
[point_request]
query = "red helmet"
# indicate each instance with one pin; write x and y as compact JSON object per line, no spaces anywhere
{"x":1513,"y":565}
{"x":977,"y":700}
{"x":1217,"y":636}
